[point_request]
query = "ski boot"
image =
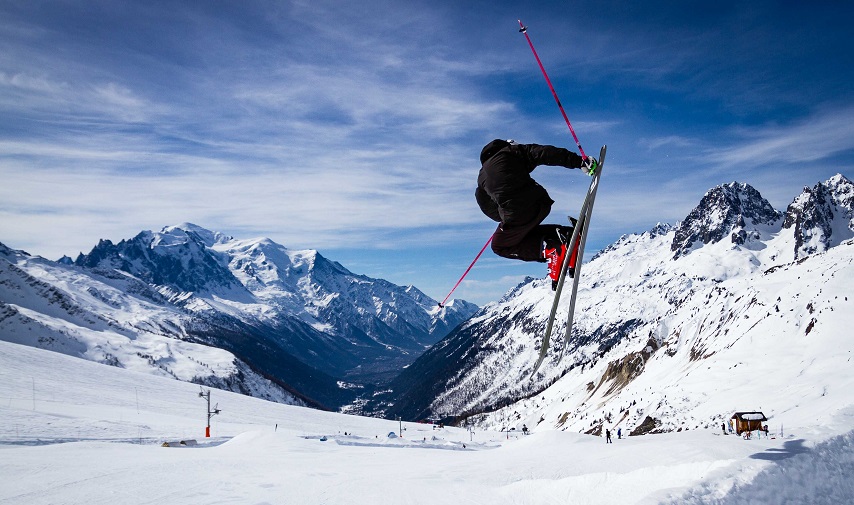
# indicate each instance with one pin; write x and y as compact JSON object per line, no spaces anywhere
{"x":554,"y":260}
{"x":555,"y":254}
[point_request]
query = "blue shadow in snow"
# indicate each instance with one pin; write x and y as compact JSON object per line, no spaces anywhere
{"x":790,"y":449}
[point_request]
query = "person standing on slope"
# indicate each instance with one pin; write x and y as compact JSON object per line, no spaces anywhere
{"x":508,"y":194}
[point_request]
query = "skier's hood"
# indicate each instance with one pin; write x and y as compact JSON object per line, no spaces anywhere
{"x":491,"y":148}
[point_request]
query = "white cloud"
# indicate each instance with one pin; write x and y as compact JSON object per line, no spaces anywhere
{"x":30,"y":83}
{"x":115,"y":100}
{"x":819,"y":136}
{"x":309,"y":152}
{"x":668,"y":141}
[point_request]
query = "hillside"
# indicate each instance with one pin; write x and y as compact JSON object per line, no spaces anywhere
{"x":737,"y":307}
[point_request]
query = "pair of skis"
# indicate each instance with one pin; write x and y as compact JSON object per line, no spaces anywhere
{"x":579,"y":238}
{"x":579,"y":234}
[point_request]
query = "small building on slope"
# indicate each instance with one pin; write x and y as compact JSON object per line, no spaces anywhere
{"x":747,"y":421}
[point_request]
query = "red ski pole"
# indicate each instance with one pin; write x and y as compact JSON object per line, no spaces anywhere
{"x":442,"y":303}
{"x":524,"y":30}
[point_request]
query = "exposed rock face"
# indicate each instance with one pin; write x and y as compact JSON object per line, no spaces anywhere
{"x":732,"y":210}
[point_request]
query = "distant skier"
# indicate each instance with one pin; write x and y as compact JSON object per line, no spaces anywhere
{"x":508,"y":194}
{"x":619,"y":433}
{"x":608,"y":437}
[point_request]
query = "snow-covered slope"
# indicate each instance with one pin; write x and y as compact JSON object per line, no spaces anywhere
{"x":163,"y":300}
{"x":73,"y":431}
{"x":739,"y":318}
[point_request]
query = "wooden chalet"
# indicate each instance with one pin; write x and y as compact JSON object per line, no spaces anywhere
{"x":747,"y":421}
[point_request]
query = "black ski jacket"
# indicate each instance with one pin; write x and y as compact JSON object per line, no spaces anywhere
{"x":506,"y":192}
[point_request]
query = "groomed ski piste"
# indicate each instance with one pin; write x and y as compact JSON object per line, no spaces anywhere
{"x":77,"y":432}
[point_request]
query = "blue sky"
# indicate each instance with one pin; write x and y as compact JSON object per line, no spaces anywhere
{"x":354,"y":128}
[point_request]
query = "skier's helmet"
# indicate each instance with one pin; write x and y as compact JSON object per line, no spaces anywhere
{"x":491,"y":148}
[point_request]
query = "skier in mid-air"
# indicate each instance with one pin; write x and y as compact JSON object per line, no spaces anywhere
{"x":508,"y":194}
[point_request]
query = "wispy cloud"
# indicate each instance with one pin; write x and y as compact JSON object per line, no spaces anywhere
{"x":319,"y":150}
{"x":817,"y":137}
{"x":668,"y":141}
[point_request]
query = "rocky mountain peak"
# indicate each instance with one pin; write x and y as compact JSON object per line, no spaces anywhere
{"x":173,"y":258}
{"x":207,"y":237}
{"x":842,"y":190}
{"x":731,"y":210}
{"x":822,"y":216}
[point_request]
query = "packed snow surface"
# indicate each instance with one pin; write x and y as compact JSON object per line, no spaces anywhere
{"x":73,"y":431}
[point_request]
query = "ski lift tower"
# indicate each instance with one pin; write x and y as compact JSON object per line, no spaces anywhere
{"x":211,"y":413}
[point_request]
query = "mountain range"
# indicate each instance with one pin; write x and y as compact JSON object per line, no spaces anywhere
{"x":672,"y":325}
{"x":675,"y":328}
{"x":246,"y":315}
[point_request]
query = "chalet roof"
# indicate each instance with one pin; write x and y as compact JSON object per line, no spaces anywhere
{"x":749,"y":416}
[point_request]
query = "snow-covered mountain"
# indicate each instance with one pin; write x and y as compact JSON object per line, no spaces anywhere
{"x":822,"y":216}
{"x":249,"y":310}
{"x":118,"y":320}
{"x":733,"y":210}
{"x":737,"y":307}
